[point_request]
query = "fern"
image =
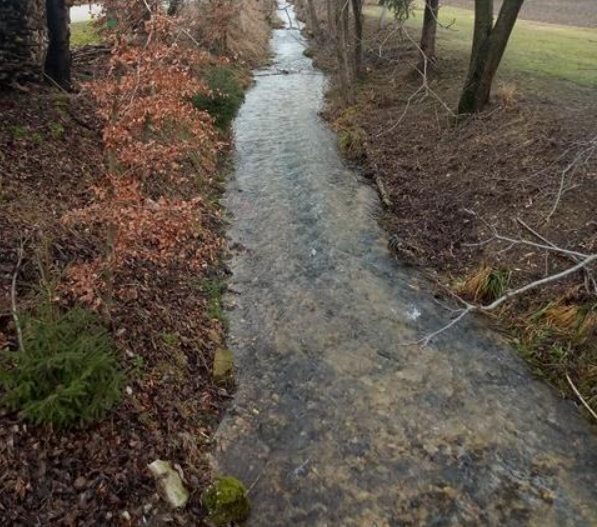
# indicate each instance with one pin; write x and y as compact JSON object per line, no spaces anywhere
{"x":67,"y":373}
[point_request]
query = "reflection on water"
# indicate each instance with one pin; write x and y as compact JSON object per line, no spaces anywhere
{"x":336,"y":423}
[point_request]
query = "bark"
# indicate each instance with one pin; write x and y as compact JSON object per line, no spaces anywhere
{"x":330,"y":12}
{"x":357,"y":10}
{"x":58,"y":60}
{"x":429,"y":36}
{"x":313,"y":22}
{"x":23,"y":40}
{"x":174,"y":7}
{"x":487,"y":57}
{"x":483,"y":25}
{"x":341,"y":47}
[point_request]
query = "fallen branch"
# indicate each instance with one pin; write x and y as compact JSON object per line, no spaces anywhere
{"x":383,"y":193}
{"x":580,"y":397}
{"x":588,"y":151}
{"x":13,"y":297}
{"x":470,"y":308}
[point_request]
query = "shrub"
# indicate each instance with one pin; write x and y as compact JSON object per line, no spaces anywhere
{"x":66,"y":374}
{"x":226,"y":97}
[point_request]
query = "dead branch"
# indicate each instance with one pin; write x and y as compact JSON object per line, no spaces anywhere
{"x":383,"y":193}
{"x":587,"y":153}
{"x":508,"y":295}
{"x":580,"y":397}
{"x":589,"y":278}
{"x":13,"y":296}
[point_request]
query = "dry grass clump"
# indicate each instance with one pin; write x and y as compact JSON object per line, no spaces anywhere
{"x":507,"y":94}
{"x":485,"y":285}
{"x":352,"y":138}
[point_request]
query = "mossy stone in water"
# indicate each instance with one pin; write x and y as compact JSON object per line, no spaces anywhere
{"x":223,"y":367}
{"x":225,"y":501}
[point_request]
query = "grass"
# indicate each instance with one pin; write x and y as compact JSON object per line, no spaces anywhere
{"x":550,"y":50}
{"x":83,"y":34}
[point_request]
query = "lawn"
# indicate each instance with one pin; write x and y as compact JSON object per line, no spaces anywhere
{"x":550,"y":50}
{"x":83,"y":34}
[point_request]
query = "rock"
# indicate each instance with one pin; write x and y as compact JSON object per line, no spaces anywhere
{"x":225,"y":501}
{"x":80,"y":483}
{"x":223,"y":365}
{"x":169,"y":483}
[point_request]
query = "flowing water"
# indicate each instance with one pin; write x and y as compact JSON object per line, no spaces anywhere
{"x":335,"y":422}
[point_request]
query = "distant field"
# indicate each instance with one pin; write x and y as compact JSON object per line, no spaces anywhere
{"x":549,"y":50}
{"x":566,"y":12}
{"x":83,"y":33}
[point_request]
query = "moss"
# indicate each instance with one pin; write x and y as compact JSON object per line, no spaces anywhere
{"x":223,"y":365}
{"x":225,"y":501}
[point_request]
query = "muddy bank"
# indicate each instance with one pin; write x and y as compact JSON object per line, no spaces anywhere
{"x":336,"y":421}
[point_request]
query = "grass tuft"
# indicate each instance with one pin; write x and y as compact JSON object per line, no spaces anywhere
{"x":486,"y":285}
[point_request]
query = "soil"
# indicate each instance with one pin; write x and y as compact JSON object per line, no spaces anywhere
{"x":450,"y":182}
{"x":50,"y":155}
{"x":566,"y":12}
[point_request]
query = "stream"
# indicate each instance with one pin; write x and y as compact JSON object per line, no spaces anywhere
{"x":336,"y":421}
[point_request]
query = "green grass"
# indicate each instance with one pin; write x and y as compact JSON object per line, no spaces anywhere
{"x":550,"y":50}
{"x":83,"y":34}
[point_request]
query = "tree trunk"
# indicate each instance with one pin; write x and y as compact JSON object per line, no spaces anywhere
{"x":174,"y":7}
{"x":340,"y":44}
{"x":429,"y":36}
{"x":487,"y":58}
{"x":357,"y":10}
{"x":483,"y":25}
{"x":330,"y":9}
{"x":315,"y":29}
{"x":23,"y":40}
{"x":58,"y":60}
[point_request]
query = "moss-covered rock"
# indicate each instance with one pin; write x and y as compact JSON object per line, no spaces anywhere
{"x":223,"y":367}
{"x":225,"y":501}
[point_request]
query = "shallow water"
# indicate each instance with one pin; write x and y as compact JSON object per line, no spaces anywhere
{"x":335,"y":422}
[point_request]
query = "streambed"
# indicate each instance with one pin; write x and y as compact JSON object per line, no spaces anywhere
{"x":336,"y":422}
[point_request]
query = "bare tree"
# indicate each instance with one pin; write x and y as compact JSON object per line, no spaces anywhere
{"x":429,"y":35}
{"x":58,"y":59}
{"x":357,"y":11}
{"x":174,"y":7}
{"x":313,"y":22}
{"x":489,"y":44}
{"x":341,"y":47}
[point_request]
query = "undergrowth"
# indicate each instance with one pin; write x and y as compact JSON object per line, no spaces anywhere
{"x":227,"y":95}
{"x":66,"y":372}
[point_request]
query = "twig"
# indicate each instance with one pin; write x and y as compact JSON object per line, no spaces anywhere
{"x":580,"y":397}
{"x":13,"y":296}
{"x":469,"y":308}
{"x":383,"y":193}
{"x":589,"y":151}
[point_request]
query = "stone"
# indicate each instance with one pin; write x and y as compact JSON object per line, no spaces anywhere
{"x":23,"y":40}
{"x":223,"y":365}
{"x":225,"y":501}
{"x":169,"y":483}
